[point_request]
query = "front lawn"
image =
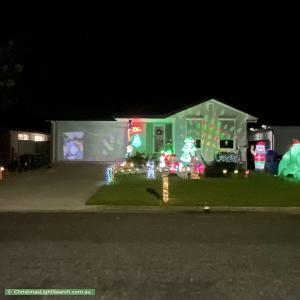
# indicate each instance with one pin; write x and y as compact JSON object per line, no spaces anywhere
{"x":257,"y":190}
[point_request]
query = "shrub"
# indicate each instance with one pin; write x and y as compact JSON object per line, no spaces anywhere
{"x":214,"y":170}
{"x":140,"y":159}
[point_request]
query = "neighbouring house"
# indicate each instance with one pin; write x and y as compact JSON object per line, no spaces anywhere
{"x":278,"y":138}
{"x":215,"y":127}
{"x":283,"y":137}
{"x":15,"y":143}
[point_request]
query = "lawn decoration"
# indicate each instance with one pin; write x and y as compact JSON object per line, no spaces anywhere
{"x":165,"y":187}
{"x":259,"y":155}
{"x":193,"y":168}
{"x":109,"y":175}
{"x":150,"y":169}
{"x":129,"y":151}
{"x":189,"y":150}
{"x":136,"y":141}
{"x":290,"y":163}
{"x":173,"y":164}
{"x":126,"y":168}
{"x":162,"y":159}
{"x":200,"y":168}
{"x":168,"y":148}
{"x":184,"y":172}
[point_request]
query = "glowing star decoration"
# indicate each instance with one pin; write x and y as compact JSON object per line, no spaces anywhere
{"x":188,"y":149}
{"x":165,"y":187}
{"x":290,"y":163}
{"x":150,"y":169}
{"x":259,"y":155}
{"x":136,"y":141}
{"x":109,"y":175}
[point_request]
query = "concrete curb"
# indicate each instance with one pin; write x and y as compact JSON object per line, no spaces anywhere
{"x":157,"y":209}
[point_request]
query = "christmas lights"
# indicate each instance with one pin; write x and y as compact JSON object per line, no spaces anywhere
{"x":109,"y":175}
{"x":227,"y":157}
{"x":165,"y":187}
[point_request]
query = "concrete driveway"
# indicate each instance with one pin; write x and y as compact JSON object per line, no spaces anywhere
{"x":65,"y":186}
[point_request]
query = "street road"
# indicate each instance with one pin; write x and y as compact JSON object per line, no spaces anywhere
{"x":154,"y":255}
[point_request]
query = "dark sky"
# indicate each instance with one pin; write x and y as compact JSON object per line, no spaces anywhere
{"x":85,"y":62}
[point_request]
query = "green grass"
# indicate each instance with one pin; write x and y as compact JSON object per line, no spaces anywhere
{"x":257,"y":190}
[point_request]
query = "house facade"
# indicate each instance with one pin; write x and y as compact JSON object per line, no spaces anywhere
{"x":15,"y":143}
{"x":213,"y":125}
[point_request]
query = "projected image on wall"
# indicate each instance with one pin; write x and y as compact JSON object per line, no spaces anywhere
{"x":73,"y":145}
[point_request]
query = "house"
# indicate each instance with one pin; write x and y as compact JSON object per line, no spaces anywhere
{"x":15,"y":143}
{"x":215,"y":127}
{"x":278,"y":138}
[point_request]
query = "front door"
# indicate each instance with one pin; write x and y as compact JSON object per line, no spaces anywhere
{"x":159,"y":138}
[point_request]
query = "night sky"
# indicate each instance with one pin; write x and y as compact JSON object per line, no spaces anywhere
{"x":82,"y":61}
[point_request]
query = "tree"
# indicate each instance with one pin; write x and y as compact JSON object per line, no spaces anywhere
{"x":9,"y":74}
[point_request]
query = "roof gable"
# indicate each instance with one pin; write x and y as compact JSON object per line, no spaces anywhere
{"x":174,"y":114}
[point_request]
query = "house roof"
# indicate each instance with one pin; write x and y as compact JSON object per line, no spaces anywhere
{"x":162,"y":110}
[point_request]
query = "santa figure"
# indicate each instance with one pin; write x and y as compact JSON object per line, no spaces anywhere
{"x":259,"y":155}
{"x":173,"y":164}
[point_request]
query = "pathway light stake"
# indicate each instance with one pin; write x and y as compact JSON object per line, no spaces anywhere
{"x":165,"y":187}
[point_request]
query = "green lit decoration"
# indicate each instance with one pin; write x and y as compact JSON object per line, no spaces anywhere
{"x":168,"y":148}
{"x":290,"y":163}
{"x":189,"y":150}
{"x":136,"y":141}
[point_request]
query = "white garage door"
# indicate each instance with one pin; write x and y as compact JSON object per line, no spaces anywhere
{"x":91,"y":140}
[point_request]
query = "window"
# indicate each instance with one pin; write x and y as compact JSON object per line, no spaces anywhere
{"x":193,"y":129}
{"x":23,"y":136}
{"x":226,"y":144}
{"x":198,"y":143}
{"x":39,"y":138}
{"x":227,"y":133}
